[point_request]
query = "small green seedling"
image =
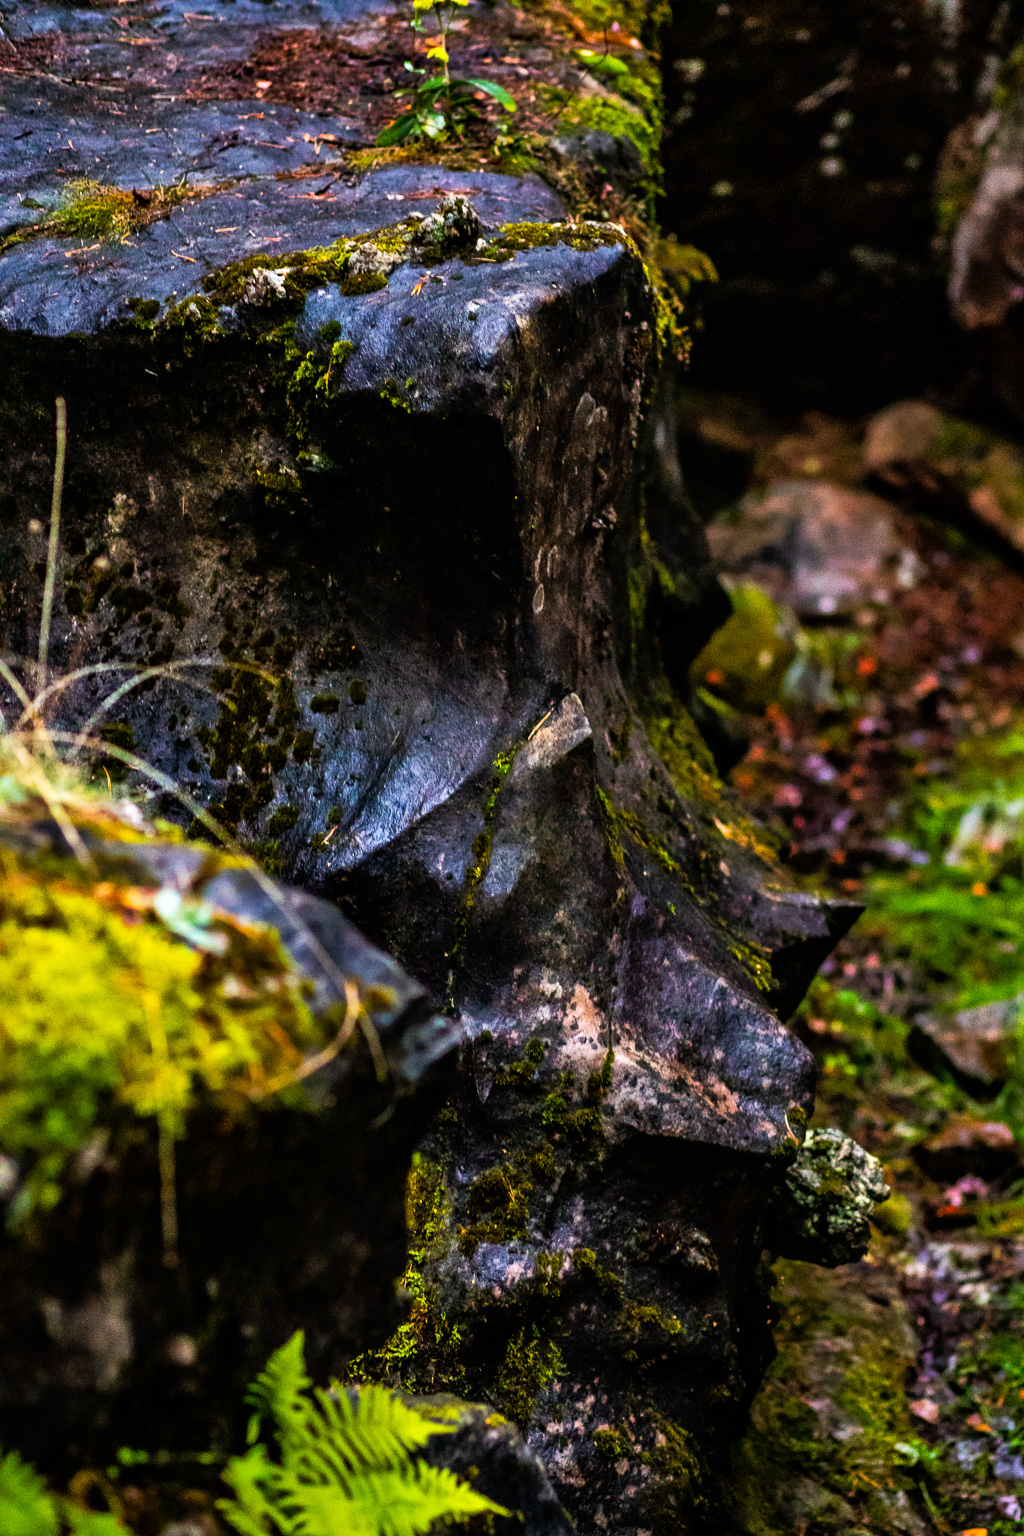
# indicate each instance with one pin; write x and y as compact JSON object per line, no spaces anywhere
{"x":442,"y":103}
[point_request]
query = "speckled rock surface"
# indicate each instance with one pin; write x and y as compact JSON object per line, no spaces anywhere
{"x":374,"y":507}
{"x":492,"y":1450}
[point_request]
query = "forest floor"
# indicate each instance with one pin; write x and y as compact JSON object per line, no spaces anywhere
{"x":890,"y":758}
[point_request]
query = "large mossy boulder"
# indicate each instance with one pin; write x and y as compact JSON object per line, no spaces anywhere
{"x":378,"y":497}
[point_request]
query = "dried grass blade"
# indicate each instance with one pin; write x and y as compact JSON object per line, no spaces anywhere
{"x":263,"y":880}
{"x":51,"y":554}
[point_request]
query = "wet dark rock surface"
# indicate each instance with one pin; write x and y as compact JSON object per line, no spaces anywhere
{"x":369,"y":513}
{"x":491,"y":1451}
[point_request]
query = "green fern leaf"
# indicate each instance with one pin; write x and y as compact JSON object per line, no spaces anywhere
{"x":279,"y":1391}
{"x":87,"y":1522}
{"x":347,"y":1464}
{"x":26,"y":1508}
{"x":375,"y":1430}
{"x":409,"y":1505}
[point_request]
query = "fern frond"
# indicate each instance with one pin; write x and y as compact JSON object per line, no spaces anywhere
{"x":88,"y":1522}
{"x":347,"y":1463}
{"x":373,"y":1429}
{"x":279,"y":1391}
{"x":25,"y":1506}
{"x":405,"y":1501}
{"x":260,"y":1490}
{"x":326,"y":1511}
{"x":409,"y":1503}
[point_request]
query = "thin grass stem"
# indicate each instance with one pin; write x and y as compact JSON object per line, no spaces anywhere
{"x":13,"y":684}
{"x":51,"y":553}
{"x":142,"y":674}
{"x":263,"y":880}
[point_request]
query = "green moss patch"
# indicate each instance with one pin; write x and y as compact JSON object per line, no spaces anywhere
{"x":746,"y":660}
{"x":831,"y":1418}
{"x":95,"y":211}
{"x":110,"y":1016}
{"x":125,"y":1002}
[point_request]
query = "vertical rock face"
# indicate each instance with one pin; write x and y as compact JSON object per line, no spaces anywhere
{"x":800,"y":153}
{"x":980,"y":187}
{"x":367,"y":496}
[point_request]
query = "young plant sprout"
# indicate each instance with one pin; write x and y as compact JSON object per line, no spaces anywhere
{"x":442,"y":103}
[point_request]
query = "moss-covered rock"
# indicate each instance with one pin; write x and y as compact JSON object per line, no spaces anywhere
{"x":830,"y":1426}
{"x":363,"y":523}
{"x":831,"y":1190}
{"x":179,"y":1036}
{"x":745,"y":662}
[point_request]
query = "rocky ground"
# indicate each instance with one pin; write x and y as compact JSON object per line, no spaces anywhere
{"x":876,"y":660}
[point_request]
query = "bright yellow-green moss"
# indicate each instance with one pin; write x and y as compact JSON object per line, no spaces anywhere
{"x":512,"y":159}
{"x":531,"y":1362}
{"x":608,"y":114}
{"x":606,"y":1281}
{"x":109,"y":1014}
{"x":522,"y":1073}
{"x":94,"y":210}
{"x":498,"y":1208}
{"x":627,"y":100}
{"x":745,"y":661}
{"x":611,"y":1444}
{"x":528,"y":235}
{"x":682,"y":749}
{"x":423,"y":1351}
{"x":123,"y":1001}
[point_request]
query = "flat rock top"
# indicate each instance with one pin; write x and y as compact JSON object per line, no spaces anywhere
{"x":160,"y":43}
{"x":120,"y":96}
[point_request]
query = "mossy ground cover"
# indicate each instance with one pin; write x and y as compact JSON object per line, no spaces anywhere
{"x":888,"y":755}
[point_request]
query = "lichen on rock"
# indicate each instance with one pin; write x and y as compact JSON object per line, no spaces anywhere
{"x":831,"y":1189}
{"x":453,"y":223}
